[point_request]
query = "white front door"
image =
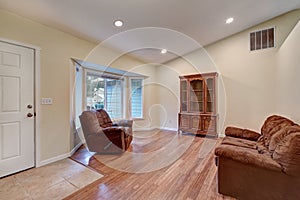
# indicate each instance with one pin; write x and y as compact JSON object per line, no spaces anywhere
{"x":16,"y":108}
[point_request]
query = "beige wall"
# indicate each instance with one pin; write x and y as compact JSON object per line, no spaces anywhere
{"x":250,"y":77}
{"x":249,"y":93}
{"x":288,"y":71}
{"x":56,"y":50}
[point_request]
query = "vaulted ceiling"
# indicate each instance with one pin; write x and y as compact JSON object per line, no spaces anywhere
{"x":183,"y":25}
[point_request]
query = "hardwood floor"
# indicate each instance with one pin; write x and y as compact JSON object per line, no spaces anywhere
{"x":191,"y":176}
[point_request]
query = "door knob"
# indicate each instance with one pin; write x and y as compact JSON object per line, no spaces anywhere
{"x":29,"y":115}
{"x":29,"y":106}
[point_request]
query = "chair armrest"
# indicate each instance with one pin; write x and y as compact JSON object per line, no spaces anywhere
{"x":113,"y":132}
{"x":242,"y":133}
{"x":123,"y":122}
{"x":247,"y":156}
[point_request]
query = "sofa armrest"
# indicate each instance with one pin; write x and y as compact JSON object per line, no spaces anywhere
{"x":247,"y":156}
{"x":101,"y":142}
{"x":115,"y":135}
{"x":123,"y":122}
{"x":287,"y":152}
{"x":242,"y":133}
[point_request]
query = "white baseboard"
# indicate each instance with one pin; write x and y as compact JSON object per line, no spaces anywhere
{"x":221,"y":135}
{"x":168,"y":129}
{"x":156,"y":127}
{"x":59,"y":157}
{"x":145,"y":129}
{"x":75,"y":148}
{"x":53,"y":159}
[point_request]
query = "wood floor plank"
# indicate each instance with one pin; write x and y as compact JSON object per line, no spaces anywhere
{"x":191,"y":176}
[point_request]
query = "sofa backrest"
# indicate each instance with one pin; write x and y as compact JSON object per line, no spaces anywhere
{"x":280,"y":135}
{"x":103,"y":118}
{"x":271,"y":126}
{"x":287,"y":151}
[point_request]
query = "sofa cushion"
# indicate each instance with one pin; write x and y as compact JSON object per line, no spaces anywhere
{"x":287,"y":152}
{"x":247,"y":156}
{"x":103,"y":118}
{"x":272,"y":125}
{"x":241,"y":133}
{"x":239,"y":142}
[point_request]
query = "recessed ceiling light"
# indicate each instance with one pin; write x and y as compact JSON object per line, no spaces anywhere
{"x":118,"y":23}
{"x":163,"y":51}
{"x":229,"y":20}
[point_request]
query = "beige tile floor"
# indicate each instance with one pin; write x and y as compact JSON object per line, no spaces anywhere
{"x":54,"y":181}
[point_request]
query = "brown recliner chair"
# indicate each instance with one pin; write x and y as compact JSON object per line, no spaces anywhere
{"x":258,"y":166}
{"x":104,"y":136}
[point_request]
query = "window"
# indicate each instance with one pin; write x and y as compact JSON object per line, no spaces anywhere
{"x":136,"y":97}
{"x":98,"y":86}
{"x":104,"y":93}
{"x":262,"y":39}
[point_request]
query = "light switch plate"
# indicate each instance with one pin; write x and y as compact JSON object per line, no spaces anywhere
{"x":47,"y":101}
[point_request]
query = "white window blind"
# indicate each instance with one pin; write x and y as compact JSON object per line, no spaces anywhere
{"x":114,"y":94}
{"x":136,"y":98}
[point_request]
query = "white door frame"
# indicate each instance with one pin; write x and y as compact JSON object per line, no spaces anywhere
{"x":37,"y":66}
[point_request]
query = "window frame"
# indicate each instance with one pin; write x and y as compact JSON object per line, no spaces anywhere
{"x":142,"y":100}
{"x":79,"y":71}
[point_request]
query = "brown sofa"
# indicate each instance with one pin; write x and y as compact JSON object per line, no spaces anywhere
{"x":262,"y":165}
{"x":104,"y":136}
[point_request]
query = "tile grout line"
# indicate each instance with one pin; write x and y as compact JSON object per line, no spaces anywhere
{"x":71,"y":183}
{"x":92,"y":169}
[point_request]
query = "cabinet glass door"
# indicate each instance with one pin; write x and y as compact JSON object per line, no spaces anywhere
{"x":196,"y":96}
{"x":209,"y":95}
{"x":183,"y":95}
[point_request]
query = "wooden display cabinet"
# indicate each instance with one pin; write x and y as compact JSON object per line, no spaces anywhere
{"x":198,"y":104}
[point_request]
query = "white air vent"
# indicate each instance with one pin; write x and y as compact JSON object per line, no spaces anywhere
{"x":262,"y":39}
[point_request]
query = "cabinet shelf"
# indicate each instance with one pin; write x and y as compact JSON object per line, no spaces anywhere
{"x":197,"y":90}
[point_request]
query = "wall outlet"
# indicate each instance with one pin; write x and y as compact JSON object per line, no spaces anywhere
{"x":47,"y":101}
